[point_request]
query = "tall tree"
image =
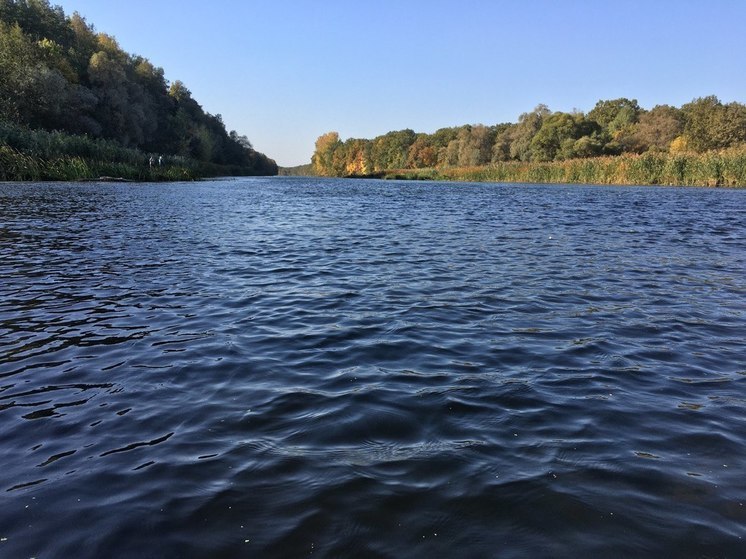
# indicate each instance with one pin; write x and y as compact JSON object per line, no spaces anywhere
{"x":523,"y":133}
{"x":358,"y":160}
{"x":57,"y":73}
{"x":655,"y":130}
{"x":323,"y":155}
{"x":475,"y":145}
{"x":615,"y":114}
{"x":391,"y":150}
{"x":711,"y":125}
{"x":422,"y":153}
{"x":555,"y":138}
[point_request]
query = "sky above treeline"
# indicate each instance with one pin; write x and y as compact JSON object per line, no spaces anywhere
{"x":283,"y":72}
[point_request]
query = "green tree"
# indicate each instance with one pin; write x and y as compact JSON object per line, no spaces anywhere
{"x":523,"y":132}
{"x":449,"y":154}
{"x":701,"y":119}
{"x":709,"y":125}
{"x":732,"y":125}
{"x":475,"y":145}
{"x":31,"y":92}
{"x":38,"y":19}
{"x":391,"y":150}
{"x":323,"y":156}
{"x":441,"y":137}
{"x":17,"y":56}
{"x":613,"y":115}
{"x":503,"y":140}
{"x":558,"y":132}
{"x":108,"y":83}
{"x":655,"y":130}
{"x":357,"y":157}
{"x":57,"y":73}
{"x":84,"y":43}
{"x":587,"y":146}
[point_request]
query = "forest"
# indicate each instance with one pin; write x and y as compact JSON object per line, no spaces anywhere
{"x":74,"y":104}
{"x":700,"y":143}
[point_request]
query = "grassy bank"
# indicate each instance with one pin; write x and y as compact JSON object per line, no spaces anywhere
{"x":19,"y":166}
{"x":722,"y":168}
{"x":40,"y":155}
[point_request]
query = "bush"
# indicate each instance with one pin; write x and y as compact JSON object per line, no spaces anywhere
{"x":27,"y":154}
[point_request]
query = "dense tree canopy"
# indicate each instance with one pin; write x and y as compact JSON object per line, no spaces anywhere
{"x":58,"y":73}
{"x":612,"y":127}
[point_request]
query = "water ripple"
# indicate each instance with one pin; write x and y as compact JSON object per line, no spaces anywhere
{"x":283,"y":367}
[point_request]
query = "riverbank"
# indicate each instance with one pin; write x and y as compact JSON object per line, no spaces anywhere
{"x":41,"y":155}
{"x":18,"y":166}
{"x":725,"y":168}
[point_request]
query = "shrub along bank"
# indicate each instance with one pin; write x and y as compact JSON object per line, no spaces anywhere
{"x":27,"y":154}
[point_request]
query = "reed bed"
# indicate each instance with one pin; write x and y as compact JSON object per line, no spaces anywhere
{"x":721,"y":168}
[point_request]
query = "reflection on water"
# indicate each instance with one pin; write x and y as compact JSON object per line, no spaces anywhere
{"x":282,"y":367}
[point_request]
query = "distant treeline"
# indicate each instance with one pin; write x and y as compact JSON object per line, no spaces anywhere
{"x":702,"y":142}
{"x":58,"y":75}
{"x":297,"y":171}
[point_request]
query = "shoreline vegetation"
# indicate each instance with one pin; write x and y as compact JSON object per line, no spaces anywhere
{"x":74,"y":105}
{"x":714,"y":169}
{"x":40,"y":155}
{"x":702,"y":143}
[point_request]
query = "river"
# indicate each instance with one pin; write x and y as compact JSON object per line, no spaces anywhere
{"x":282,"y":367}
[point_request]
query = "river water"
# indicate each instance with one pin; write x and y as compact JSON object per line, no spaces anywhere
{"x":287,"y":367}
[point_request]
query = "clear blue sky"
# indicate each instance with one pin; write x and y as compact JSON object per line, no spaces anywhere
{"x":284,"y":72}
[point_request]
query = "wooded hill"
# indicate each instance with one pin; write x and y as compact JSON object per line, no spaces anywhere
{"x":702,"y":142}
{"x":58,"y":74}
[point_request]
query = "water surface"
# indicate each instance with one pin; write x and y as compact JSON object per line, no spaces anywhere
{"x":287,"y":367}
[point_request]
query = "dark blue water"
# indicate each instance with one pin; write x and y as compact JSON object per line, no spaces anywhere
{"x":289,"y":367}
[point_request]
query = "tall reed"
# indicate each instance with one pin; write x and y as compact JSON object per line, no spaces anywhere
{"x":721,"y":168}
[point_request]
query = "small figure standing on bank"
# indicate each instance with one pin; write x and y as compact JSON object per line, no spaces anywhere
{"x":151,"y":161}
{"x":160,"y":160}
